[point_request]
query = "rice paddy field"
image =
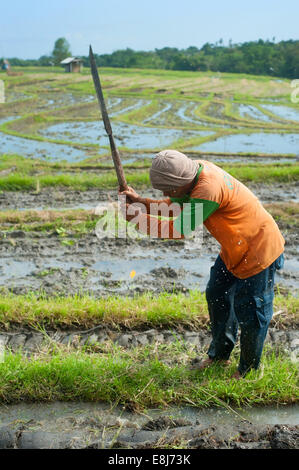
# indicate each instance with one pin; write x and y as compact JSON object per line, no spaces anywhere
{"x":99,"y":335}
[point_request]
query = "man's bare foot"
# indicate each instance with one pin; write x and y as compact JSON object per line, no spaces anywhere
{"x":207,"y":363}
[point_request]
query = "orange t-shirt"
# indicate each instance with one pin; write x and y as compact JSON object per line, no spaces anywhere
{"x":249,"y":237}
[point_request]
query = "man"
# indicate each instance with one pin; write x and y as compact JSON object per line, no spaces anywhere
{"x":240,"y":291}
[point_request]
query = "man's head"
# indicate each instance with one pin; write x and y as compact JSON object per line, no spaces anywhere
{"x":173,"y":173}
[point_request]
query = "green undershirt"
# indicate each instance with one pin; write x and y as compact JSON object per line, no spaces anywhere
{"x":192,"y":216}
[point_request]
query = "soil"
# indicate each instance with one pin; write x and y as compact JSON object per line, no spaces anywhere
{"x":32,"y":341}
{"x":31,"y":261}
{"x":95,"y":427}
{"x":61,"y":198}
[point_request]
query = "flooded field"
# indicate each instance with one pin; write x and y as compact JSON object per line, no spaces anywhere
{"x":252,"y":112}
{"x":51,"y":133}
{"x":44,"y":150}
{"x":130,"y":136}
{"x":143,"y":124}
{"x":259,"y":142}
{"x":284,"y":112}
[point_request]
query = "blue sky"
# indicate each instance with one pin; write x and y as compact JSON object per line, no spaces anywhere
{"x":29,"y":28}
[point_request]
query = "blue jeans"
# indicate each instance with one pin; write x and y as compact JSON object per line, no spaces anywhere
{"x":247,"y":303}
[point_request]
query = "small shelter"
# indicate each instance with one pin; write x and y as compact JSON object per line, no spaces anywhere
{"x":72,"y":64}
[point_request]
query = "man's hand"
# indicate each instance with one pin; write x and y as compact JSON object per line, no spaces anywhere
{"x":131,"y":194}
{"x":130,"y":211}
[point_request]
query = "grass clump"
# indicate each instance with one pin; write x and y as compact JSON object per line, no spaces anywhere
{"x":141,"y":378}
{"x":138,"y":178}
{"x":85,"y":311}
{"x":76,"y":220}
{"x":284,"y":213}
{"x":82,"y":182}
{"x":141,"y":311}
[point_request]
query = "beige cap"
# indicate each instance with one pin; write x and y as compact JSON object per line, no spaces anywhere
{"x":172,"y":169}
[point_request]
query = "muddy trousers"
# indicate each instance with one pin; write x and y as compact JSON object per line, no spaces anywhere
{"x":245,"y":303}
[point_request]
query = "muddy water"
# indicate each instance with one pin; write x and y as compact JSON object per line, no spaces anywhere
{"x":99,"y":266}
{"x":7,"y":119}
{"x":44,"y":150}
{"x":36,"y":260}
{"x":182,"y":114}
{"x":135,"y":105}
{"x":145,"y":137}
{"x":218,"y":159}
{"x":103,"y":266}
{"x":284,"y":112}
{"x":36,"y":149}
{"x":155,"y":116}
{"x":104,"y":274}
{"x":256,"y":142}
{"x":252,"y":112}
{"x":49,"y":414}
{"x":131,"y":136}
{"x":56,"y":100}
{"x":15,"y":96}
{"x":98,"y":426}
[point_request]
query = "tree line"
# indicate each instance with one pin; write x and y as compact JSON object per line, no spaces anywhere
{"x":260,"y":57}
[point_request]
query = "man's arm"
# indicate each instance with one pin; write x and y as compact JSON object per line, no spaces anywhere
{"x":150,"y":205}
{"x":157,"y":228}
{"x":194,"y":213}
{"x":152,"y":226}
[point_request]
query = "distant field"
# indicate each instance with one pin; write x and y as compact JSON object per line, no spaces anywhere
{"x":53,"y":116}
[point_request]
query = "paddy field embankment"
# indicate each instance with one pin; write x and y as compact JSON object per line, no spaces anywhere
{"x":117,"y":323}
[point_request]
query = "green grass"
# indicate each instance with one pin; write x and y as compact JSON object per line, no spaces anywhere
{"x":77,"y":220}
{"x":78,"y":228}
{"x":284,"y":213}
{"x":143,"y":377}
{"x":83,"y":182}
{"x":142,"y":311}
{"x":140,"y":178}
{"x":264,"y":173}
{"x":139,"y":377}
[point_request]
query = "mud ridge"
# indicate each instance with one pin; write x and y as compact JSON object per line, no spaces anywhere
{"x":30,"y":341}
{"x":180,"y":434}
